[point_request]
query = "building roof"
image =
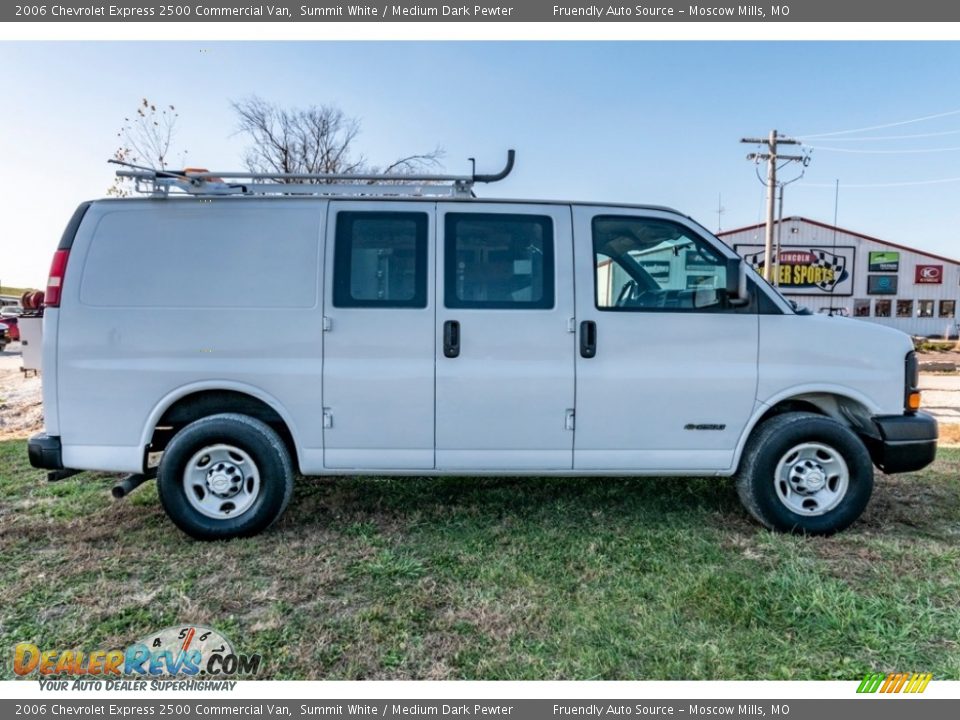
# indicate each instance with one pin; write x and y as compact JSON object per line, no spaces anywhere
{"x":826,"y":226}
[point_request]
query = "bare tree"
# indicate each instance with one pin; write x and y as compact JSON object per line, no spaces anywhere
{"x":146,"y":138}
{"x":312,"y":140}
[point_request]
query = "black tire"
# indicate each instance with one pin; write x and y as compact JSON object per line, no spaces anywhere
{"x":263,"y":448}
{"x":771,"y":442}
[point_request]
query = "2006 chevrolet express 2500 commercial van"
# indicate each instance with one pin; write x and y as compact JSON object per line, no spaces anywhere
{"x":251,"y":330}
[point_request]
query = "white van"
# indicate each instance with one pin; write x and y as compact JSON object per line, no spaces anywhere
{"x":249,"y":331}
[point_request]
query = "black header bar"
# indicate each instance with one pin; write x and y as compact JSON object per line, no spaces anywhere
{"x":893,"y":11}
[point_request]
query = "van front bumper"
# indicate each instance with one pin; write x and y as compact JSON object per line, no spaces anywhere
{"x":903,"y":442}
{"x":45,"y":452}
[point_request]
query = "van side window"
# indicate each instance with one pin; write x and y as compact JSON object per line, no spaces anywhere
{"x":498,"y":261}
{"x":650,"y":265}
{"x":380,"y":260}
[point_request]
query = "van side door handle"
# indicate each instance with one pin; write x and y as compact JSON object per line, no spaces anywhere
{"x":588,"y":339}
{"x":451,"y":339}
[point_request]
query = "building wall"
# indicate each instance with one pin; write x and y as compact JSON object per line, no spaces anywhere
{"x":799,"y":236}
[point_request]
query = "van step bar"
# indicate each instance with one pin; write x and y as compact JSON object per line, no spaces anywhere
{"x":159,"y":183}
{"x":131,"y":482}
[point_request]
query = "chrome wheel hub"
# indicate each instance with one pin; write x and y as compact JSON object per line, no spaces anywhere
{"x":221,"y":481}
{"x":811,"y":478}
{"x":224,"y":480}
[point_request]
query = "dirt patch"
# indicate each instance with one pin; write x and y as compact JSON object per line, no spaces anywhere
{"x":21,"y":404}
{"x":949,"y":434}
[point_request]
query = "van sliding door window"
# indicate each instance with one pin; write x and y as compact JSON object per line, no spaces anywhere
{"x":380,"y":260}
{"x":495,"y":261}
{"x":651,"y":265}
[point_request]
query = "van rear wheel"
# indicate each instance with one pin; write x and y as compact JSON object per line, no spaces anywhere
{"x":805,"y":473}
{"x":225,"y":476}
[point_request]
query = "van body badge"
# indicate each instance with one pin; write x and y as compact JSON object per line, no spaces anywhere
{"x":705,"y":426}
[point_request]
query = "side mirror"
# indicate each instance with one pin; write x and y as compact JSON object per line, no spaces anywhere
{"x":705,"y":297}
{"x":737,"y":282}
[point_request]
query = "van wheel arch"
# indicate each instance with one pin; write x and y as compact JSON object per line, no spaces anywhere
{"x":204,"y":403}
{"x":790,"y":405}
{"x":844,"y":410}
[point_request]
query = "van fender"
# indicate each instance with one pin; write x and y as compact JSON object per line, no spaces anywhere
{"x":797,"y":391}
{"x":181,"y":392}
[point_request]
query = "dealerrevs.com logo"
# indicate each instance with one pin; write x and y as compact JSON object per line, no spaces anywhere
{"x":909,"y":683}
{"x":187,"y":651}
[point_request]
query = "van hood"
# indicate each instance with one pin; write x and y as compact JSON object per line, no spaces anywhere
{"x":865,"y":329}
{"x":852,"y":357}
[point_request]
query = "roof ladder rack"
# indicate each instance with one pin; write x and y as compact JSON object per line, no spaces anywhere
{"x":160,"y":183}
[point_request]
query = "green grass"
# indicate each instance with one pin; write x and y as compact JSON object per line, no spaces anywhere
{"x":497,"y":578}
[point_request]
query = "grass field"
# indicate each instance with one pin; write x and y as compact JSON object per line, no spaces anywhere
{"x":497,"y":579}
{"x":15,"y":291}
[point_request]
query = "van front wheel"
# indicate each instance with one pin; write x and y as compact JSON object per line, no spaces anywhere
{"x":805,"y":473}
{"x":225,"y":476}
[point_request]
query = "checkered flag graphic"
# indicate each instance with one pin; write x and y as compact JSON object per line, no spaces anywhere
{"x":837,"y":263}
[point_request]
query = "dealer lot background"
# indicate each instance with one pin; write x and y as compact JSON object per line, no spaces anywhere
{"x":907,"y":288}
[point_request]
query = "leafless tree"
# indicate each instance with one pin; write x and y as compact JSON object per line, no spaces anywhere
{"x":146,"y":138}
{"x":319,"y":139}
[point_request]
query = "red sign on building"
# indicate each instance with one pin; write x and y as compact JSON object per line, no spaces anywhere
{"x":929,"y":274}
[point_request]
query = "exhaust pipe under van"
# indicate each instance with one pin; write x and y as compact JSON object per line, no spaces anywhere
{"x":131,"y":482}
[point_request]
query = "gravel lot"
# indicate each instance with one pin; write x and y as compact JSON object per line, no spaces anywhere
{"x":21,"y":408}
{"x":941,"y":397}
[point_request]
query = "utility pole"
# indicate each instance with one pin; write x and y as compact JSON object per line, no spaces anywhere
{"x":781,"y":185}
{"x":772,"y":158}
{"x":776,"y":276}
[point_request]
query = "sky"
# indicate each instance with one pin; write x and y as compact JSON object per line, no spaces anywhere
{"x":642,"y":122}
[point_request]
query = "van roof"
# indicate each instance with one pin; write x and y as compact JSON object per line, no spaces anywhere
{"x":390,"y":198}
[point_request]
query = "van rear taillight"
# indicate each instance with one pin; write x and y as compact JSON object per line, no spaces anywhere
{"x":58,"y":267}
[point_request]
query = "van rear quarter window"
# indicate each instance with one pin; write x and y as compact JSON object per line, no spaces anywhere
{"x":213,"y":255}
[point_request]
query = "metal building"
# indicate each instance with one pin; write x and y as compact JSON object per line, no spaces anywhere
{"x":830,"y":269}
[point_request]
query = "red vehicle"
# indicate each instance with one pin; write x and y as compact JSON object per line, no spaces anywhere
{"x":13,"y":329}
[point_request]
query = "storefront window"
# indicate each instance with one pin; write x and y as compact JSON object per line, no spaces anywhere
{"x":924,"y":308}
{"x":948,"y":308}
{"x":861,"y":308}
{"x":904,"y":308}
{"x":881,"y":308}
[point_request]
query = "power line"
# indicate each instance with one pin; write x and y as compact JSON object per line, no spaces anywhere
{"x":938,"y":181}
{"x":892,"y":137}
{"x":885,"y":125}
{"x":883,"y":152}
